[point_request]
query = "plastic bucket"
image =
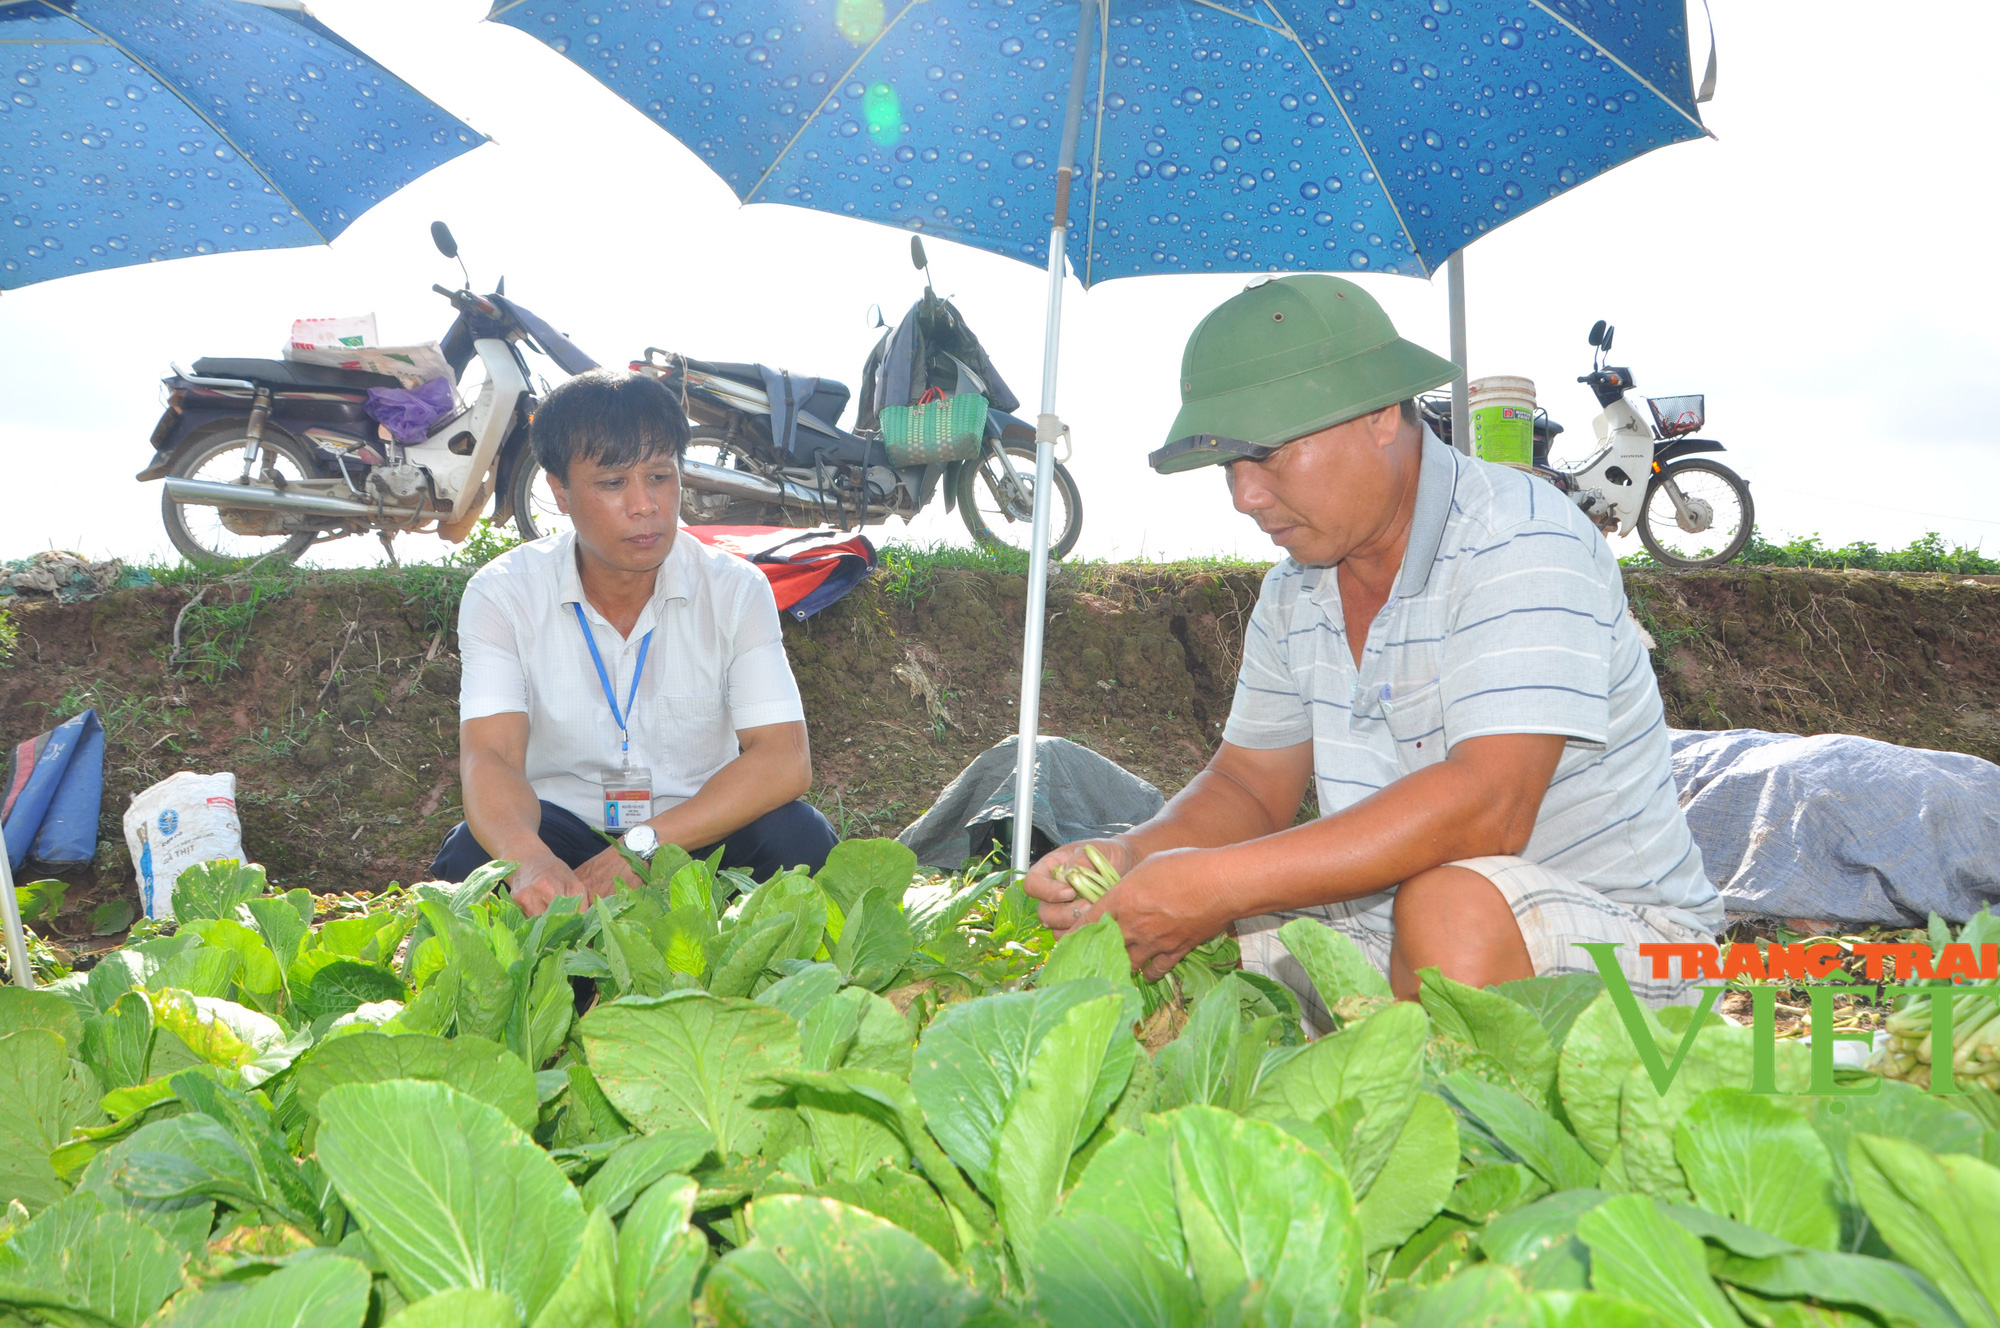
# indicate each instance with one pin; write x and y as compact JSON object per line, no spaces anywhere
{"x":1503,"y":420}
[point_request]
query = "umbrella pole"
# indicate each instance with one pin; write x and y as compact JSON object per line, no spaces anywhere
{"x":10,"y":915}
{"x":1461,"y":403}
{"x":1047,"y":429}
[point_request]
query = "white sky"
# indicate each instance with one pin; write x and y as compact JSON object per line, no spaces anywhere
{"x":1823,"y":273}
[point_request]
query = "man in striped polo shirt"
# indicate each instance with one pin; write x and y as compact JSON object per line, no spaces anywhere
{"x":1445,"y":657}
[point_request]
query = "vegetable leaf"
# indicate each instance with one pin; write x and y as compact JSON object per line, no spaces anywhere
{"x":1054,"y":1111}
{"x":449,"y":1192}
{"x":819,"y":1263}
{"x":688,"y":1058}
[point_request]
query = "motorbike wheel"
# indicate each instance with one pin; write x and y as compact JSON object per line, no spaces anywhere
{"x":992,"y":520}
{"x":1733,"y":518}
{"x":534,"y":502}
{"x":204,"y":534}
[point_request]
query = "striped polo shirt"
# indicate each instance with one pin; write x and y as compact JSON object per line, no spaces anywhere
{"x":1508,"y":616}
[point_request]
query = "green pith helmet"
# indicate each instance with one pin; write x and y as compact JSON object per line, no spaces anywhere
{"x":1287,"y":357}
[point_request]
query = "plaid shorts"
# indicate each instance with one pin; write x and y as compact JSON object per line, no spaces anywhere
{"x":1552,"y":910}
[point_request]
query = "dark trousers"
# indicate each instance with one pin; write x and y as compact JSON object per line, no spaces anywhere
{"x":792,"y":835}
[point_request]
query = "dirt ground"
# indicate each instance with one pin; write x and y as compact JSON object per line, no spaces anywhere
{"x":332,"y":696}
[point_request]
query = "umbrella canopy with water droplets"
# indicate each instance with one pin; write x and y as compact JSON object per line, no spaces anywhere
{"x":1173,"y":135}
{"x":138,"y":130}
{"x":1217,"y":136}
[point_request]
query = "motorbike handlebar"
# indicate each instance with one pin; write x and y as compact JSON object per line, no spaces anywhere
{"x":467,"y":302}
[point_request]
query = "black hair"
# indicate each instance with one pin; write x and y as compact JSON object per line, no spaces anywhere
{"x":611,"y":416}
{"x":1408,"y":407}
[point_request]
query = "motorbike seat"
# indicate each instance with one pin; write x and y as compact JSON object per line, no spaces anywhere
{"x":288,"y":373}
{"x":827,"y":402}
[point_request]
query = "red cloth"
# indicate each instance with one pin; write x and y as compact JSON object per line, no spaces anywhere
{"x":808,"y":570}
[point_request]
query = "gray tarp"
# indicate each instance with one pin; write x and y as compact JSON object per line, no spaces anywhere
{"x":1840,"y":827}
{"x":1078,"y":795}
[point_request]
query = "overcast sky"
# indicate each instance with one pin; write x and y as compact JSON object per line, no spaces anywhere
{"x":1822,"y":270}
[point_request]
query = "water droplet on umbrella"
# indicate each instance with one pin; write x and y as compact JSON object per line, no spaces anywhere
{"x":1441,"y":6}
{"x":1433,"y":140}
{"x":1023,"y":160}
{"x":1231,"y":143}
{"x":1011,"y":47}
{"x":82,"y":64}
{"x":1357,"y":258}
{"x":1246,"y":181}
{"x":1192,"y":96}
{"x":1510,"y":39}
{"x":1308,"y":190}
{"x":1288,"y":102}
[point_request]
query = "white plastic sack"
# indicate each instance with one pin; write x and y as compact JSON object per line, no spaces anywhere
{"x":413,"y":365}
{"x":183,"y":820}
{"x":332,"y":333}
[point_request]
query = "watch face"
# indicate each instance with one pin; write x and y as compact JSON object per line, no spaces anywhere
{"x":641,"y":839}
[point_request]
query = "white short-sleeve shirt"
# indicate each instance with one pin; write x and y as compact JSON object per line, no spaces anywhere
{"x":1508,"y":616}
{"x":716,"y":665}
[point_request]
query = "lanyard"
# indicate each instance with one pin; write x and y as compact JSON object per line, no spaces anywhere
{"x":623,"y":721}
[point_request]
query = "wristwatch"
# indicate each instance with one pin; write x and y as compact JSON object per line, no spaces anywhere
{"x":642,"y":841}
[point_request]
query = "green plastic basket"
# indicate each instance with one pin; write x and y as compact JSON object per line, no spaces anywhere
{"x":950,"y":430}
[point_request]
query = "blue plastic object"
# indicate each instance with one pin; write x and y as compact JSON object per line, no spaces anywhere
{"x":1219,"y":135}
{"x":53,"y":792}
{"x":138,"y":130}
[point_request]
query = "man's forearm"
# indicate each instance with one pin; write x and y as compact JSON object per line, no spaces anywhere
{"x":1213,"y":810}
{"x":760,"y":780}
{"x":502,"y":809}
{"x":1433,"y":816}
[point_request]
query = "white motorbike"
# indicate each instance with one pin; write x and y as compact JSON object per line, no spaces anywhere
{"x":266,"y":458}
{"x":1645,"y":475}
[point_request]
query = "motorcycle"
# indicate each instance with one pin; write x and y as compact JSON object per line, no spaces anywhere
{"x":268,"y":458}
{"x":765,"y":447}
{"x":1645,"y":474}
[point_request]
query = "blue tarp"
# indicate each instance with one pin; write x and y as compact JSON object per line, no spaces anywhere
{"x":1840,"y":827}
{"x":54,"y":789}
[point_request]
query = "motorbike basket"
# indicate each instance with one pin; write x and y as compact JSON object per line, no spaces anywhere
{"x":953,"y":429}
{"x":1677,"y":416}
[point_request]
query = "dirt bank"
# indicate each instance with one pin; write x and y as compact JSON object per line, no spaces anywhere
{"x":332,"y":696}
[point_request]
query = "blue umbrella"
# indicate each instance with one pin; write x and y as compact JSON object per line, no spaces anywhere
{"x":138,"y":130}
{"x":1175,"y":135}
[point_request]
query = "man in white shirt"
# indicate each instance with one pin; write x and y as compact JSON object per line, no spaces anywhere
{"x":622,"y":680}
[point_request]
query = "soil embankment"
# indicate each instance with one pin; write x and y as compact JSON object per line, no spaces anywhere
{"x":332,"y":697}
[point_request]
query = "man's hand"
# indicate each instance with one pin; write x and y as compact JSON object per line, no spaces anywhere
{"x":1165,"y":907}
{"x":540,"y":879}
{"x":603,"y":874}
{"x":1061,"y":910}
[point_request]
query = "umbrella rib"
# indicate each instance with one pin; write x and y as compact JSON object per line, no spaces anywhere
{"x":220,"y":133}
{"x":1097,"y":137}
{"x":832,"y":89}
{"x":1238,"y":14}
{"x":1636,"y":76}
{"x":1359,"y":142}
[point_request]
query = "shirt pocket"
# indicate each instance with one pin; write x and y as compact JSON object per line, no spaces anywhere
{"x":1415,"y":716}
{"x":693,"y":737}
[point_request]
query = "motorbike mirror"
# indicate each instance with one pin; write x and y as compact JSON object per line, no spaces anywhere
{"x":1606,"y":345}
{"x":441,"y":237}
{"x":917,"y":253}
{"x":1597,"y":333}
{"x":875,"y":318}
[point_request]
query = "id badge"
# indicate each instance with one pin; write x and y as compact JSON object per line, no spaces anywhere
{"x":628,"y":799}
